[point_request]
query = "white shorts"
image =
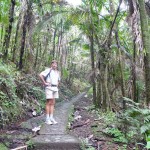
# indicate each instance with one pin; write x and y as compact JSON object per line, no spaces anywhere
{"x":51,"y":94}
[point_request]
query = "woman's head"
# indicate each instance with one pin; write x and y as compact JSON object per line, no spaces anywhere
{"x":54,"y":64}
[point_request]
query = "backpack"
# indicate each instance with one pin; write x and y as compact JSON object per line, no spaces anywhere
{"x":47,"y":75}
{"x":54,"y":89}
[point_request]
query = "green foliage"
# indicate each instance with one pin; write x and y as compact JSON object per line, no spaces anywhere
{"x":90,"y":92}
{"x":4,"y":11}
{"x":118,"y":136}
{"x":17,"y":94}
{"x":84,"y":145}
{"x":109,"y":117}
{"x":30,"y":144}
{"x":22,"y":91}
{"x":136,"y":119}
{"x":3,"y":147}
{"x":71,"y":117}
{"x":79,"y":85}
{"x":148,"y":141}
{"x":124,"y":147}
{"x":86,"y":47}
{"x":9,"y":101}
{"x":65,"y":73}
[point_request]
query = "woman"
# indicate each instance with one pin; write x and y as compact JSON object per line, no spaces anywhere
{"x":50,"y":78}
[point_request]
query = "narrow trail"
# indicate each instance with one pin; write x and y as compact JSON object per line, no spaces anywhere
{"x":54,"y":137}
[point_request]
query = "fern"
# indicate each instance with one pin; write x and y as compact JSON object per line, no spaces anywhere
{"x":145,"y":128}
{"x":136,"y":117}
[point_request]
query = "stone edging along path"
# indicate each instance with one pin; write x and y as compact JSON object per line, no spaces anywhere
{"x":55,"y":137}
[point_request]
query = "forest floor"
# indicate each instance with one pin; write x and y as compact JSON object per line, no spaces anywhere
{"x":89,"y":126}
{"x":85,"y":123}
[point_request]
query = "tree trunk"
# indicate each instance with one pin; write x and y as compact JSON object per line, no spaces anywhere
{"x":60,"y":50}
{"x":16,"y":37}
{"x":23,"y":38}
{"x":37,"y":52}
{"x":134,"y":87}
{"x":146,"y":45}
{"x":1,"y":38}
{"x":108,"y":102}
{"x":54,"y":43}
{"x":9,"y":29}
{"x":45,"y":49}
{"x":121,"y":70}
{"x":93,"y":66}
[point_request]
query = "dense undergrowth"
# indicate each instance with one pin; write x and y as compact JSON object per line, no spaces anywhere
{"x":21,"y":94}
{"x":130,"y":127}
{"x":126,"y":129}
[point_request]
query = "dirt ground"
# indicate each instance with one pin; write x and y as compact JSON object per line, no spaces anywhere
{"x":83,"y":124}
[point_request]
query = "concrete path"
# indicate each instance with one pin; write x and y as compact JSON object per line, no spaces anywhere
{"x":55,"y":137}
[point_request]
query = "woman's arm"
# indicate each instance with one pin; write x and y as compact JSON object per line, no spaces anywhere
{"x":43,"y":81}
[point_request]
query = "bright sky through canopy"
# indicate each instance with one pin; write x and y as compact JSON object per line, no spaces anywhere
{"x":74,"y":2}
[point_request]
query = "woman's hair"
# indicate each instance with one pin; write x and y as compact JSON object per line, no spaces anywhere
{"x":53,"y":61}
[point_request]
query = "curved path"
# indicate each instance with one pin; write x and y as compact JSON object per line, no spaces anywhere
{"x":55,"y":137}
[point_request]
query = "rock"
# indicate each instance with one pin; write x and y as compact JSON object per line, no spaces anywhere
{"x":35,"y":129}
{"x":56,"y":142}
{"x":77,"y":117}
{"x":34,"y":113}
{"x":90,"y":136}
{"x":85,"y":96}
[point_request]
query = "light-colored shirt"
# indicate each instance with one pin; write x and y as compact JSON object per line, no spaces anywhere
{"x":54,"y":76}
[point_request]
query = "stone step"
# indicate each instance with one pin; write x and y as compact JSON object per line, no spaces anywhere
{"x":56,"y":142}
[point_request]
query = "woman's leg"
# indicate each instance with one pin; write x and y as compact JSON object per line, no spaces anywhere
{"x":48,"y":111}
{"x":47,"y":107}
{"x":52,"y":105}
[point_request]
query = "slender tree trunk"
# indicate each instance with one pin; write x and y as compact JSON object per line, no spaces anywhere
{"x":24,"y":31}
{"x":2,"y":30}
{"x":23,"y":38}
{"x":1,"y":38}
{"x":106,"y":87}
{"x":121,"y":70}
{"x":93,"y":66}
{"x":60,"y":48}
{"x":25,"y":26}
{"x":40,"y":55}
{"x":134,"y":89}
{"x":16,"y":38}
{"x":104,"y":100}
{"x":146,"y":45}
{"x":121,"y":75}
{"x":9,"y":29}
{"x":54,"y":43}
{"x":99,"y":97}
{"x":57,"y":46}
{"x":37,"y":53}
{"x":45,"y":49}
